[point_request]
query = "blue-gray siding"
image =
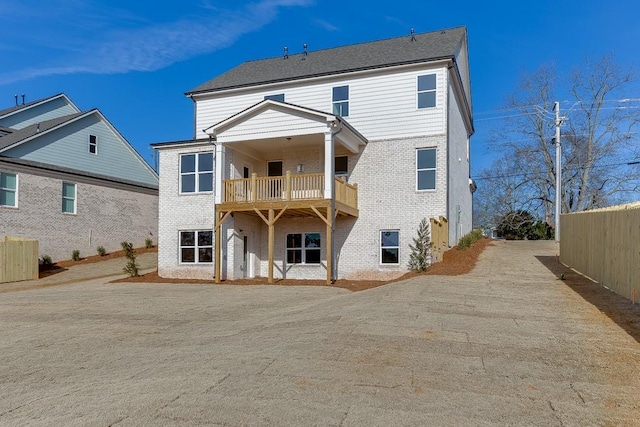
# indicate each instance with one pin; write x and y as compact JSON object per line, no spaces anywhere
{"x":52,"y":109}
{"x":69,"y":147}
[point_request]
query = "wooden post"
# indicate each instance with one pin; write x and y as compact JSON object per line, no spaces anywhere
{"x":218,"y":239}
{"x":254,"y":186}
{"x":271,"y":232}
{"x":287,"y":185}
{"x":329,"y":244}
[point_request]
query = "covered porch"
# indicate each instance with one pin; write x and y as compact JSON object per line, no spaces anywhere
{"x":252,"y":136}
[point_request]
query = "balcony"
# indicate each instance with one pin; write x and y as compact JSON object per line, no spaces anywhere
{"x":299,"y":194}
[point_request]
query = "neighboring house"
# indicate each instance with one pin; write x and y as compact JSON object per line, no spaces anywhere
{"x":320,"y":165}
{"x":70,"y":180}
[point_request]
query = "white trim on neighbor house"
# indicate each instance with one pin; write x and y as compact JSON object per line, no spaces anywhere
{"x":66,"y":198}
{"x":7,"y":190}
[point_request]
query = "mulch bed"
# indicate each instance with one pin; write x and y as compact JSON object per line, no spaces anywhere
{"x":60,"y":266}
{"x":455,"y":262}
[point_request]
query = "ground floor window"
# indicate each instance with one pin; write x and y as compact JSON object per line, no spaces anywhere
{"x":196,"y":247}
{"x":303,"y":248}
{"x":8,"y":189}
{"x":389,"y":247}
{"x":69,"y":192}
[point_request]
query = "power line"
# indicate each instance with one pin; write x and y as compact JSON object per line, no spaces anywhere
{"x":539,"y":175}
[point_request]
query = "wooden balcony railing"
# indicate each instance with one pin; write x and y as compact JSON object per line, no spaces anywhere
{"x":286,"y":188}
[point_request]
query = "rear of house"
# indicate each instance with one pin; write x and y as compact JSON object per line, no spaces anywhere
{"x":320,"y":165}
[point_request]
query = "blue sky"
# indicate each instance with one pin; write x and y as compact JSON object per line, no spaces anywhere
{"x":135,"y":60}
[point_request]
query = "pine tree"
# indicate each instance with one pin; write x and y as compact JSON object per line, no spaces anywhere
{"x":420,"y":257}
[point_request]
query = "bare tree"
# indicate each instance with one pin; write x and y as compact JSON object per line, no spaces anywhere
{"x":598,"y":140}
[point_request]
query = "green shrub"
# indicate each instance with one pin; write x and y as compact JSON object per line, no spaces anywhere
{"x":45,"y":262}
{"x":101,"y":251}
{"x":75,"y":255}
{"x":420,"y":257}
{"x":132,"y":267}
{"x":469,"y":239}
{"x":148,"y":243}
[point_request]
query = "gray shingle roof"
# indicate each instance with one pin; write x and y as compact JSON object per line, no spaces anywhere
{"x":21,"y":134}
{"x":383,"y":53}
{"x":25,"y":105}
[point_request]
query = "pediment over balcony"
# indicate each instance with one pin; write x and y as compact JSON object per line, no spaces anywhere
{"x":271,"y":124}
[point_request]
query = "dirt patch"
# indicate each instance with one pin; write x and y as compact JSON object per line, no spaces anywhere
{"x":61,"y":266}
{"x":455,"y":262}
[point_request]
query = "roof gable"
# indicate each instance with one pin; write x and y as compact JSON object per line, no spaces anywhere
{"x":18,"y":109}
{"x":422,"y":47}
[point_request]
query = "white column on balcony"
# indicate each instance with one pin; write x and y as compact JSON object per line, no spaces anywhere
{"x":220,"y":151}
{"x":328,"y":165}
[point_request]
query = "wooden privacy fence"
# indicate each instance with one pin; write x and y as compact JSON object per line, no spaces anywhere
{"x":439,"y":238}
{"x":604,"y":244}
{"x":18,"y":259}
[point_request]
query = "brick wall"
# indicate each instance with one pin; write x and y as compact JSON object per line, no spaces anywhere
{"x":104,"y":216}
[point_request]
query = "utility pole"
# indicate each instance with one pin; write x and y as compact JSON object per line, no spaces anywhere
{"x":556,"y":106}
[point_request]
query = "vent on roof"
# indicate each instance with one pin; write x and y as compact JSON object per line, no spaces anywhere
{"x":286,"y":52}
{"x":413,"y":37}
{"x":304,"y":49}
{"x":23,"y":99}
{"x":16,"y":97}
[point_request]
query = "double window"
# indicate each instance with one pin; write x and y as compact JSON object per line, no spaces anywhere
{"x":93,"y":144}
{"x":196,"y":247}
{"x":340,"y":100}
{"x":303,"y":248}
{"x":68,"y":198}
{"x":426,"y":169}
{"x":389,"y":247}
{"x":196,"y":173}
{"x":427,"y":91}
{"x":8,"y":189}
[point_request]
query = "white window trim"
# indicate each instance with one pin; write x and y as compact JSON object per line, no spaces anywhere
{"x":434,"y":90}
{"x":391,"y":247}
{"x":12,"y":189}
{"x":196,"y":173}
{"x":75,"y":198}
{"x":303,"y":249}
{"x":195,"y":247}
{"x":435,"y":181}
{"x":94,"y":144}
{"x":347,"y":101}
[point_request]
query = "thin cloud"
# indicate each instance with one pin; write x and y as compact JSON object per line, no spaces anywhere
{"x":150,"y":47}
{"x":326,"y":25}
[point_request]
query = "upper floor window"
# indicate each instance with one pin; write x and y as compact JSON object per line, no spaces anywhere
{"x":8,"y":189}
{"x":303,"y":248}
{"x":426,"y":169}
{"x":340,"y":99}
{"x":276,"y":97}
{"x":427,"y":91}
{"x":93,"y":144}
{"x":68,"y":198}
{"x":196,"y":173}
{"x":389,"y":247}
{"x":196,"y":247}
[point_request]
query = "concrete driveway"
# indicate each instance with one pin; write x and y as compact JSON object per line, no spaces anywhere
{"x":507,"y":344}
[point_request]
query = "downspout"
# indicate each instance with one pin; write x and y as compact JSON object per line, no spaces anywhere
{"x":448,"y":153}
{"x":333,"y":208}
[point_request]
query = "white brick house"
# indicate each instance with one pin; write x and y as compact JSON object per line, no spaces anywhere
{"x":320,"y":164}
